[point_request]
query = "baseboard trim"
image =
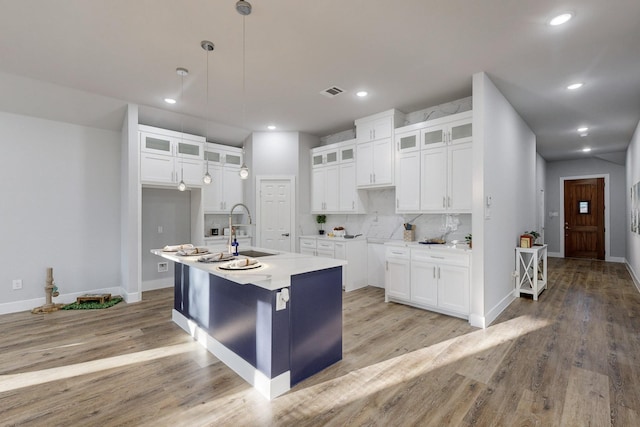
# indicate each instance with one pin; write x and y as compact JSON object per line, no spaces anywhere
{"x":634,"y":276}
{"x":477,"y":321}
{"x":152,"y":285}
{"x":555,"y":255}
{"x":615,"y":259}
{"x":28,"y":305}
{"x":268,"y":387}
{"x":499,"y":308}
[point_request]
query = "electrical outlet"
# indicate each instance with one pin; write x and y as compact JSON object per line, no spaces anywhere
{"x":160,"y":229}
{"x":163,"y":266}
{"x":17,"y":284}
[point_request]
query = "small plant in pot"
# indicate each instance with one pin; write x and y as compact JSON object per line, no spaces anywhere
{"x":535,"y":235}
{"x":469,"y":239}
{"x":321,"y":219}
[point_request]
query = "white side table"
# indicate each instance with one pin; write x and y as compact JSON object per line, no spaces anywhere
{"x":531,"y":270}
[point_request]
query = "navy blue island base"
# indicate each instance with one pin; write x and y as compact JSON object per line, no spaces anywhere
{"x":271,"y":349}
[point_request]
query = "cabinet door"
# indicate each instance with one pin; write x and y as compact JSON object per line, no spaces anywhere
{"x":397,"y":278}
{"x":232,"y":187}
{"x":453,"y":288}
{"x":233,"y":159}
{"x":409,"y":141}
{"x":156,"y":144}
{"x":408,"y":182}
{"x":433,"y":137}
{"x":189,"y":150}
{"x":212,"y":193}
{"x":317,"y":189}
{"x":192,"y":171}
{"x":364,"y":162}
{"x":156,"y":168}
{"x":382,"y":128}
{"x":424,"y":283}
{"x":383,"y":162}
{"x":317,"y":159}
{"x":460,"y":182}
{"x":347,"y":154}
{"x":460,"y":132}
{"x":433,"y":179}
{"x":349,"y":200}
{"x":332,"y":188}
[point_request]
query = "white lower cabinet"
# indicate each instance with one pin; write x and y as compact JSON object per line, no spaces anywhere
{"x":354,"y":274}
{"x":428,"y":278}
{"x":397,"y":274}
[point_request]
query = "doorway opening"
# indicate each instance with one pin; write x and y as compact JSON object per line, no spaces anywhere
{"x":584,"y":219}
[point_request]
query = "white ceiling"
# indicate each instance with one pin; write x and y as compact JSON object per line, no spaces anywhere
{"x":81,"y":61}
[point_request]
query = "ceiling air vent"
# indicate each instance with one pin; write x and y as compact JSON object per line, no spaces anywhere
{"x":332,"y":91}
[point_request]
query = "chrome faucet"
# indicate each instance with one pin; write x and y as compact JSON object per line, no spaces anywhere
{"x":232,"y":227}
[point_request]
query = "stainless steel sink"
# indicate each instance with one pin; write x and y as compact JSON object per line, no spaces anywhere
{"x":254,"y":254}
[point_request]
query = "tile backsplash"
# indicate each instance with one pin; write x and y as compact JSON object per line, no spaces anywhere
{"x":383,"y":223}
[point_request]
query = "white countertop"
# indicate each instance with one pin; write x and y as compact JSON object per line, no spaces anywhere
{"x":275,"y":272}
{"x":337,"y":239}
{"x":460,"y":247}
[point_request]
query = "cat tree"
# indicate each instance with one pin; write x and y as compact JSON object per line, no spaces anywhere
{"x":51,"y":290}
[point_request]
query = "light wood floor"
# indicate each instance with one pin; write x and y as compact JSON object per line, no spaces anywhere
{"x":572,"y":358}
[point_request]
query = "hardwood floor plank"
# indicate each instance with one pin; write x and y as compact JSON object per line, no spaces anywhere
{"x":587,"y":399}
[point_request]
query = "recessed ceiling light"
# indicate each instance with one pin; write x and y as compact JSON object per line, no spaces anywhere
{"x":362,"y":93}
{"x":583,"y":129}
{"x":170,"y":100}
{"x":271,"y":127}
{"x":586,"y":149}
{"x":561,"y":19}
{"x":575,"y":86}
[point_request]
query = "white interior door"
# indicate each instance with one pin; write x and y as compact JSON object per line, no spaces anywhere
{"x":275,"y":218}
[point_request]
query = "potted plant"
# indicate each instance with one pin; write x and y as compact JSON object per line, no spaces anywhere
{"x":321,"y":219}
{"x":535,"y":235}
{"x":469,"y":239}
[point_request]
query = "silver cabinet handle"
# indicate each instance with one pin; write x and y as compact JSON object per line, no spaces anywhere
{"x":285,"y":234}
{"x":397,"y":203}
{"x":438,"y":272}
{"x":434,"y":272}
{"x":444,"y":202}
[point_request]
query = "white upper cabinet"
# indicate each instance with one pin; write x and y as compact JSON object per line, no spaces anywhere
{"x":225,"y":189}
{"x":375,"y":153}
{"x":167,"y":156}
{"x":445,"y":165}
{"x":408,"y":141}
{"x":333,"y":176}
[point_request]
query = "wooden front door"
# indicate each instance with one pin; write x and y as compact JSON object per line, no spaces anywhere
{"x":584,"y":218}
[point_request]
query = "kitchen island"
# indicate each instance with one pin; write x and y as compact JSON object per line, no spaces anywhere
{"x":274,"y":325}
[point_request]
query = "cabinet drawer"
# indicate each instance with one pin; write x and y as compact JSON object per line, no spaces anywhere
{"x":308,"y":243}
{"x":440,"y":257}
{"x":396,"y":252}
{"x":325,"y":246}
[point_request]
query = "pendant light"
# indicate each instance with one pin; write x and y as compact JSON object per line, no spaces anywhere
{"x":208,"y":47}
{"x":244,"y":9}
{"x":182,"y":72}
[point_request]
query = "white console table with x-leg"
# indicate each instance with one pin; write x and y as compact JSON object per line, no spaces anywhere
{"x":531,"y":270}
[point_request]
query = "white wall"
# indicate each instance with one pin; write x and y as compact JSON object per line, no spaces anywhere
{"x":615,"y":207}
{"x":505,"y":170}
{"x":61,"y":208}
{"x":170,"y":209}
{"x":633,"y":176}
